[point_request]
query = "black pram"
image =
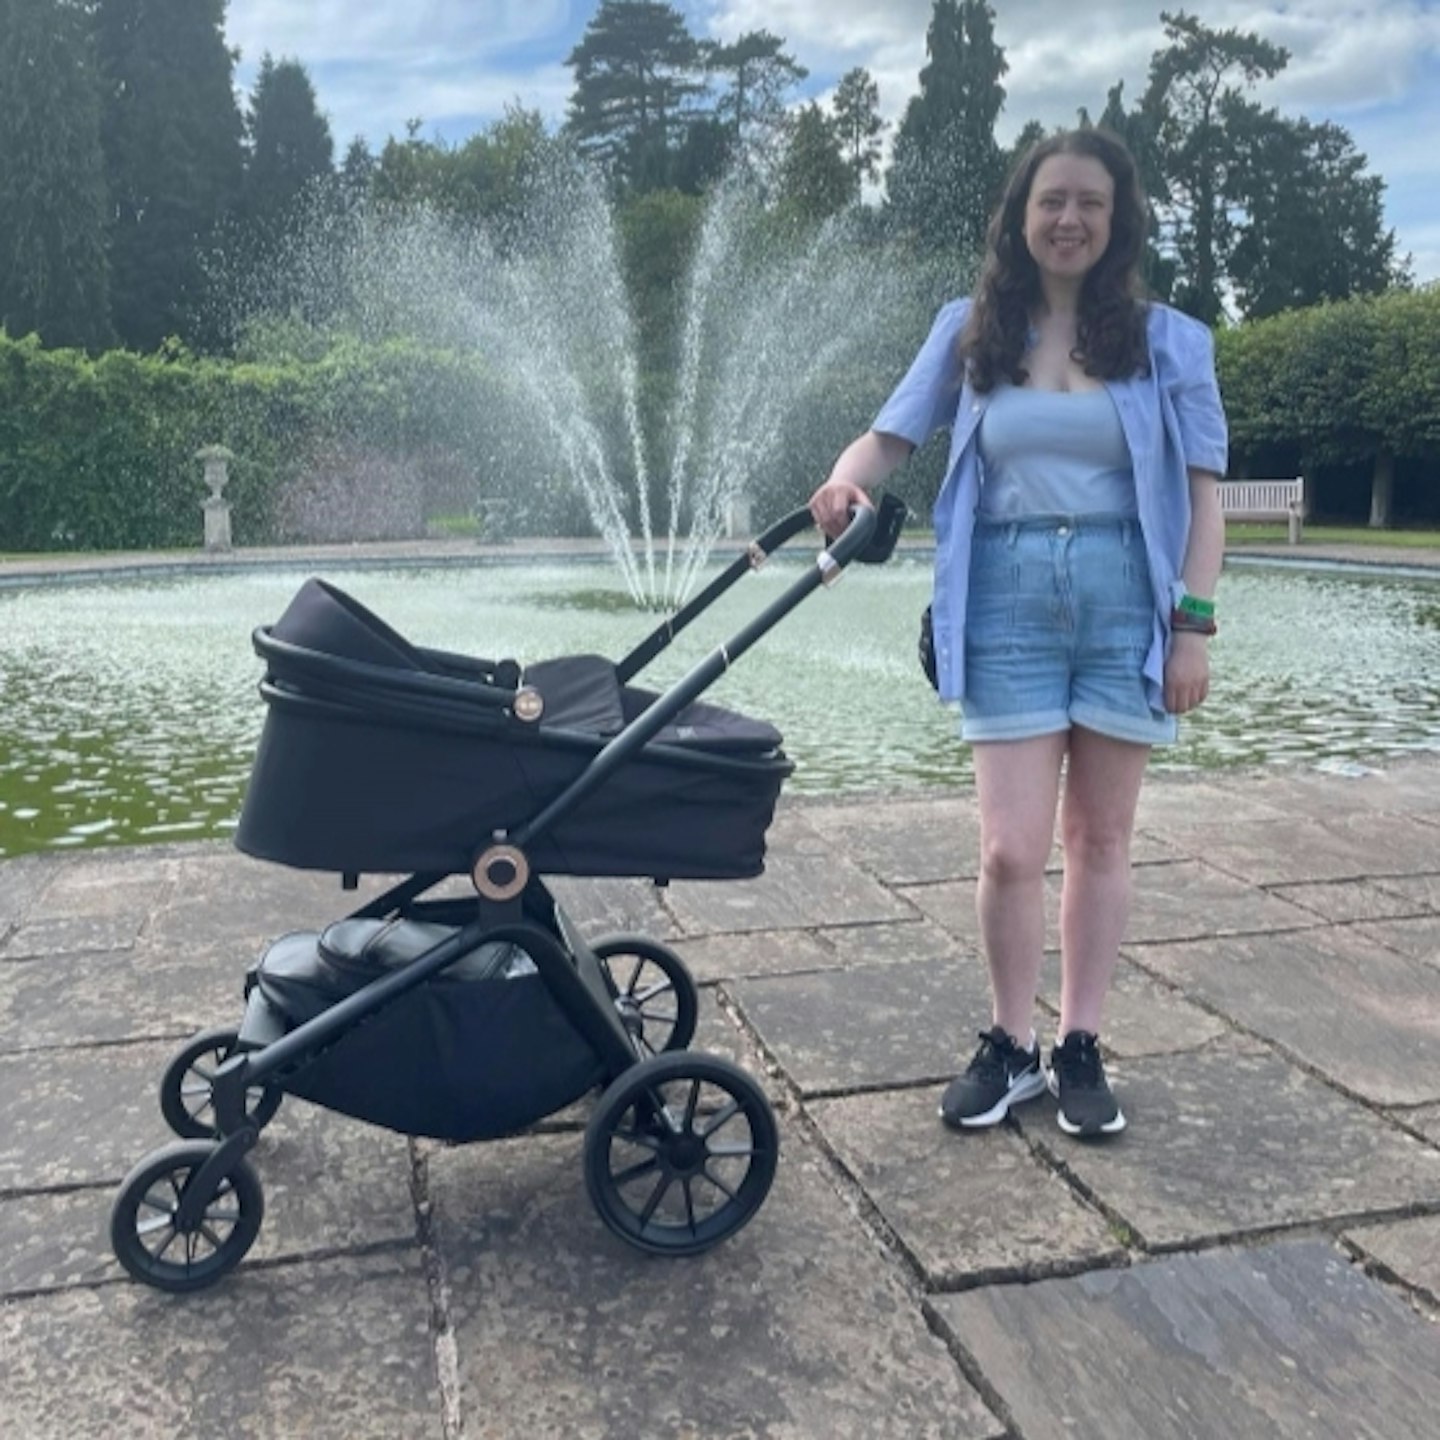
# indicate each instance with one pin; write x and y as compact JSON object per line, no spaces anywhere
{"x":467,"y":1016}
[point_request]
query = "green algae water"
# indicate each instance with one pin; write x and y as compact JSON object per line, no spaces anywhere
{"x":129,"y":710}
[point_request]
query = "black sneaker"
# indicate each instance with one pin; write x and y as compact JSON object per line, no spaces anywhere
{"x":1000,"y":1075}
{"x":1077,"y":1081}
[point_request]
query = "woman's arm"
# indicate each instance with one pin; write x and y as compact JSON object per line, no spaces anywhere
{"x":862,"y":465}
{"x":1187,"y":667}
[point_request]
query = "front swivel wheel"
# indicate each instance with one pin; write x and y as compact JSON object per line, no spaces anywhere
{"x":157,"y":1246}
{"x":680,"y":1153}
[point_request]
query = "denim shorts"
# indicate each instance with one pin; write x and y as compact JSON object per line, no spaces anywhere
{"x":1059,"y":620}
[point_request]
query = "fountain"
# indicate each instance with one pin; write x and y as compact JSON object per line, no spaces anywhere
{"x":777,"y":362}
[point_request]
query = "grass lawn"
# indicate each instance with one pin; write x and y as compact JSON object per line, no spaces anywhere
{"x":1242,"y":533}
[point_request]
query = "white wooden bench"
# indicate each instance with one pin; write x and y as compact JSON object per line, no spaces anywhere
{"x":1265,"y":500}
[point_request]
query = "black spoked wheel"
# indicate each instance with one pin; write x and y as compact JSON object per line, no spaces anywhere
{"x":654,"y":991}
{"x":146,"y":1233}
{"x":187,"y":1096}
{"x":680,"y":1153}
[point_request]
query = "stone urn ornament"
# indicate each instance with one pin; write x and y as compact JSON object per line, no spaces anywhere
{"x":216,"y":460}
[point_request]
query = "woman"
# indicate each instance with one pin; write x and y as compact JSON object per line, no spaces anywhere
{"x":1078,"y":542}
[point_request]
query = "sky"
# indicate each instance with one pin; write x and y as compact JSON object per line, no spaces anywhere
{"x":456,"y":64}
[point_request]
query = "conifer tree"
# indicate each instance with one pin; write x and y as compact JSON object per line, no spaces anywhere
{"x":53,"y":273}
{"x":290,"y":144}
{"x":171,"y":134}
{"x":948,"y":167}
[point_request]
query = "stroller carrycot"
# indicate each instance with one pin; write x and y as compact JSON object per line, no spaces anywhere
{"x":471,"y":1017}
{"x":378,"y":757}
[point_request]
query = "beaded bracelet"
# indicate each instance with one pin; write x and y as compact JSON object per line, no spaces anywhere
{"x":1187,"y":621}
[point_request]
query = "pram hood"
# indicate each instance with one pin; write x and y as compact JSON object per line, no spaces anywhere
{"x":381,"y":755}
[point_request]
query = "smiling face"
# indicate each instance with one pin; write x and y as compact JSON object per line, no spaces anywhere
{"x":1067,"y":217}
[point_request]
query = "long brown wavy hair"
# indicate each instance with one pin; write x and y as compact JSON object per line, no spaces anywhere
{"x":1111,"y":340}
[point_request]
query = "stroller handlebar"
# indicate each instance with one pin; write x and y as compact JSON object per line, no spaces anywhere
{"x":856,"y":543}
{"x":869,"y":538}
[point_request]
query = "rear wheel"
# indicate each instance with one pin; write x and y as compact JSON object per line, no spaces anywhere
{"x":654,"y":991}
{"x":148,"y":1237}
{"x":680,"y":1153}
{"x":187,"y":1088}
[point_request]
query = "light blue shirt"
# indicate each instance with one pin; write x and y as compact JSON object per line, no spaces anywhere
{"x":1053,"y":452}
{"x":1172,"y":419}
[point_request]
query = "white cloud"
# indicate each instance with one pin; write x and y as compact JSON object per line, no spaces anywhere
{"x":320,"y":32}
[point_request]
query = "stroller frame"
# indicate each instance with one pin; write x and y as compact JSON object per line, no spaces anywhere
{"x":201,"y":1194}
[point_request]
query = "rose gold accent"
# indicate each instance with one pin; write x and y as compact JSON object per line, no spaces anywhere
{"x":505,"y":859}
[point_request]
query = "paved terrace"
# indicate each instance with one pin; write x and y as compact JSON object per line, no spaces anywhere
{"x":1257,"y":1256}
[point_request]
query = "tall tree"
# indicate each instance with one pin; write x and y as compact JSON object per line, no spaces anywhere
{"x":636,"y":68}
{"x":290,"y":144}
{"x":1314,"y":227}
{"x":1192,"y":80}
{"x":858,"y":125}
{"x":948,"y":167}
{"x":357,"y":170}
{"x":54,"y":279}
{"x":171,"y":132}
{"x":759,"y":74}
{"x":1137,"y":130}
{"x":814,"y":182}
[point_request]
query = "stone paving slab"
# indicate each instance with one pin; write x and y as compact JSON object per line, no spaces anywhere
{"x":894,"y":944}
{"x":880,"y":1025}
{"x":1342,"y":902}
{"x":616,"y":907}
{"x":1344,"y":847}
{"x":1406,"y":1249}
{"x":806,"y":892}
{"x":1426,"y":1120}
{"x":730,"y":957}
{"x":332,"y":1351}
{"x":53,"y":937}
{"x":23,"y":880}
{"x":1419,"y":939}
{"x":969,"y":1208}
{"x":1422,"y":892}
{"x":1404,"y":787}
{"x":1288,"y":1341}
{"x":905,"y":842}
{"x":1232,"y":1140}
{"x":89,"y":999}
{"x":796,"y":1328}
{"x":1360,"y":1014}
{"x":1169,"y":808}
{"x":79,"y":1117}
{"x":101,"y":882}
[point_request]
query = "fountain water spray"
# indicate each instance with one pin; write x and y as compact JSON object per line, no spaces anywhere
{"x":776,"y":319}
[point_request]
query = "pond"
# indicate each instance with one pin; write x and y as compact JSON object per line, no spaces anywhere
{"x":130,"y":712}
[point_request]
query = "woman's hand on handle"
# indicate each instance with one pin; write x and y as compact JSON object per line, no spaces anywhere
{"x":831,"y":505}
{"x":864,"y":463}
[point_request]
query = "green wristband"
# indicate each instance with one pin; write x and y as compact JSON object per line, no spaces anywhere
{"x":1194,"y":605}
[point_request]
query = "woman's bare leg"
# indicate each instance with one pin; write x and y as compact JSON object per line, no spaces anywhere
{"x":1097,"y":820}
{"x":1018,"y":782}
